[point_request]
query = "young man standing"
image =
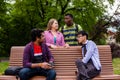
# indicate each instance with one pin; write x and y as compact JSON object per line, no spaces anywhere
{"x":90,"y":65}
{"x":70,"y":29}
{"x":37,"y":59}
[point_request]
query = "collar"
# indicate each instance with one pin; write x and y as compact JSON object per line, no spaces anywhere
{"x":86,"y":42}
{"x":32,"y":43}
{"x":71,"y":25}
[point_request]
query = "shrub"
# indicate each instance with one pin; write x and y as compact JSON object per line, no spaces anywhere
{"x":115,"y":49}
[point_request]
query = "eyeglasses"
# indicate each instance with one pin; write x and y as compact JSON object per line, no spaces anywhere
{"x":79,"y":37}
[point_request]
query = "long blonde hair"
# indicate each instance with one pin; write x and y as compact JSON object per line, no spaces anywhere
{"x":49,"y":25}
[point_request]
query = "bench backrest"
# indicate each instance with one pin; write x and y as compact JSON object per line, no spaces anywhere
{"x":65,"y":59}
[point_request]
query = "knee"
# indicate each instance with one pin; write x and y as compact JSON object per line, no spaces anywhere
{"x":78,"y":61}
{"x":23,"y":72}
{"x":52,"y":72}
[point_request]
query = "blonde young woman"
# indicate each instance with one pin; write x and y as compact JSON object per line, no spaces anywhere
{"x":53,"y":37}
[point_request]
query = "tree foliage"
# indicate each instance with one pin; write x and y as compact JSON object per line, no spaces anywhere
{"x":17,"y":20}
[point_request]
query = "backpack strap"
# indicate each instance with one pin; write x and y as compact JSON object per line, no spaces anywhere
{"x":62,"y":29}
{"x":76,"y":30}
{"x":76,"y":26}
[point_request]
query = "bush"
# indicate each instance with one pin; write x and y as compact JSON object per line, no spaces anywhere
{"x":115,"y":49}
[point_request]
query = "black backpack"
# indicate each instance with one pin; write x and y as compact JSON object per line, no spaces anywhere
{"x":14,"y":70}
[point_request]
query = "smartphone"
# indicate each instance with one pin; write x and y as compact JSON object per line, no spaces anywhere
{"x":51,"y":64}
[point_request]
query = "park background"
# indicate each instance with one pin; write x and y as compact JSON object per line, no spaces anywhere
{"x":18,"y":17}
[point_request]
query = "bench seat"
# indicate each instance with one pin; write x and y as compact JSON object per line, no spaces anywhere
{"x":102,"y":77}
{"x":65,"y":63}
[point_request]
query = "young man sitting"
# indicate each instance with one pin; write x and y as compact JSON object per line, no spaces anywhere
{"x":89,"y":66}
{"x":37,"y":59}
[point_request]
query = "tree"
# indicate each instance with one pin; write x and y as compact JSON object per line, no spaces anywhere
{"x":36,"y":13}
{"x":3,"y":24}
{"x":24,"y":15}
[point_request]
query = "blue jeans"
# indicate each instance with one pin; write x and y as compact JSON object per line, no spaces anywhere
{"x":27,"y":73}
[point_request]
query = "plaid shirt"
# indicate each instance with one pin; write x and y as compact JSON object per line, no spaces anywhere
{"x":28,"y":55}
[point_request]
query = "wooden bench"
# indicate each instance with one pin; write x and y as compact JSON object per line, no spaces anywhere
{"x":65,"y":63}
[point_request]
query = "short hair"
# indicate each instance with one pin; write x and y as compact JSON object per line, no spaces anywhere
{"x":68,"y":14}
{"x":83,"y":33}
{"x":35,"y":33}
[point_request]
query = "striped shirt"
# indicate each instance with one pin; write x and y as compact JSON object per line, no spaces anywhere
{"x":70,"y":34}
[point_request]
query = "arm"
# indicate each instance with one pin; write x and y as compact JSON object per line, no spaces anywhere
{"x":51,"y":45}
{"x":26,"y":57}
{"x":89,"y":53}
{"x":50,"y":57}
{"x":27,"y":62}
{"x":62,"y":40}
{"x":48,"y":40}
{"x":44,"y":65}
{"x":48,"y":44}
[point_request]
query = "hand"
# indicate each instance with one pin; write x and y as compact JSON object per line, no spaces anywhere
{"x":67,"y":45}
{"x":52,"y":64}
{"x":45,"y":65}
{"x":53,"y":46}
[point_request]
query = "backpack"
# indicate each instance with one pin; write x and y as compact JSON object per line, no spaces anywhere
{"x":76,"y":26}
{"x":14,"y":70}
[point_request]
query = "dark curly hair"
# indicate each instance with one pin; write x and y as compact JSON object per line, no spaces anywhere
{"x":36,"y":33}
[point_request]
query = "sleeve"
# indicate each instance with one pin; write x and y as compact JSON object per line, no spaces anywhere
{"x":50,"y":56}
{"x":89,"y":53}
{"x":48,"y":44}
{"x":62,"y":40}
{"x":79,"y":28}
{"x":46,"y":39}
{"x":26,"y":57}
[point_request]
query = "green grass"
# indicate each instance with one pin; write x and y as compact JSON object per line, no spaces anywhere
{"x":3,"y":66}
{"x":116,"y":65}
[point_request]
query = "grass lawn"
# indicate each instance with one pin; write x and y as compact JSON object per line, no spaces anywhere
{"x":3,"y":66}
{"x":116,"y":65}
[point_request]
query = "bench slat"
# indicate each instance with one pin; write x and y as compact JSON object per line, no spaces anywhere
{"x":65,"y":62}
